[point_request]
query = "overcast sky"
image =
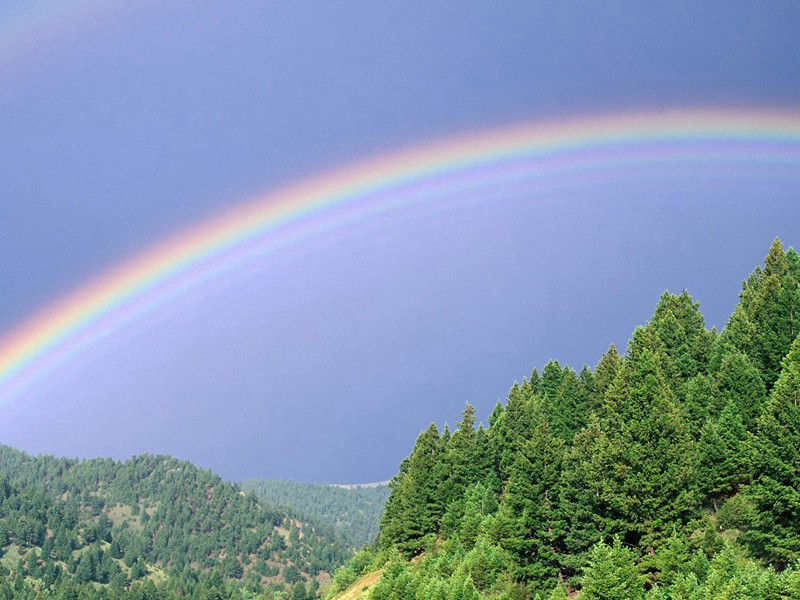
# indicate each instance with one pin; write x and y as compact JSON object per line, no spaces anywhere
{"x":124,"y":124}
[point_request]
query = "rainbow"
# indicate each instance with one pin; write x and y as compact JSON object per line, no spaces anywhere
{"x":391,"y":184}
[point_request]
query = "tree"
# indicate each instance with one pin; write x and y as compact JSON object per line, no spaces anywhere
{"x":511,"y":428}
{"x":612,"y":574}
{"x":528,"y":524}
{"x":775,"y":531}
{"x":567,"y":407}
{"x":770,"y":299}
{"x":415,"y":505}
{"x":680,"y":326}
{"x":739,"y":381}
{"x":722,"y":461}
{"x":633,"y":471}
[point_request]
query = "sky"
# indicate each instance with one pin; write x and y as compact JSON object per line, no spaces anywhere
{"x":122,"y":124}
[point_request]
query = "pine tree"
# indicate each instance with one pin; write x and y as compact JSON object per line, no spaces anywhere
{"x":739,"y":381}
{"x":775,"y":531}
{"x":463,"y":460}
{"x":700,"y":402}
{"x":415,"y":505}
{"x":631,"y":473}
{"x":528,"y":524}
{"x":552,"y":375}
{"x":606,"y":370}
{"x":680,"y":326}
{"x":510,"y":430}
{"x":612,"y":574}
{"x":567,"y":407}
{"x":721,"y":455}
{"x":771,"y":300}
{"x":649,"y":445}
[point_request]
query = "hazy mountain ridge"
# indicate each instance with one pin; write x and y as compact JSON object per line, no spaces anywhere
{"x":353,"y":511}
{"x":151,"y":521}
{"x":669,"y":472}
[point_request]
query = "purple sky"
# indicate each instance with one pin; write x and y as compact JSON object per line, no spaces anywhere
{"x":324,"y":364}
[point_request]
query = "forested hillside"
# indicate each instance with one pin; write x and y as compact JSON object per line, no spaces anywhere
{"x":670,"y":472}
{"x":149,"y":527}
{"x":353,"y":512}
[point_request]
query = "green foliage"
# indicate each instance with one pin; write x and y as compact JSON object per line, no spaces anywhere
{"x":651,"y":477}
{"x":775,"y":530}
{"x":612,"y":574}
{"x":352,"y":513}
{"x":117,"y":527}
{"x":415,"y":505}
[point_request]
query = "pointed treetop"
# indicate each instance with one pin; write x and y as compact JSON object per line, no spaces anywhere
{"x":607,"y":369}
{"x":775,"y":263}
{"x":496,"y":412}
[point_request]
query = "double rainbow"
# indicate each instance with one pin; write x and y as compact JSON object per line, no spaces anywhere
{"x":198,"y":255}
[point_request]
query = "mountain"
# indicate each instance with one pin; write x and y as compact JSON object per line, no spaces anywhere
{"x":352,"y":511}
{"x":669,"y":472}
{"x":151,"y":526}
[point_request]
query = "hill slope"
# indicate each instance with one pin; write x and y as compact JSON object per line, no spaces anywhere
{"x":670,"y":472}
{"x":354,"y":512}
{"x":151,"y":520}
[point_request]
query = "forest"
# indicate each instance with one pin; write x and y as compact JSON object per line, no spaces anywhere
{"x":353,"y":513}
{"x":669,"y":472}
{"x":150,"y":527}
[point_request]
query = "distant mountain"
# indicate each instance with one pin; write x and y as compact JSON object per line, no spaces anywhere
{"x":152,"y":526}
{"x":352,"y":486}
{"x":352,"y":510}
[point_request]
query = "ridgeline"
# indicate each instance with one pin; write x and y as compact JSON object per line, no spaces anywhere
{"x":149,"y":527}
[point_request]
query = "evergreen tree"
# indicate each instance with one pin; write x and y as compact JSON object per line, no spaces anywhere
{"x":606,"y":371}
{"x":552,"y":375}
{"x":567,"y":407}
{"x":415,"y":506}
{"x":700,"y":402}
{"x":612,"y":574}
{"x":510,"y":430}
{"x":775,"y":531}
{"x":680,"y":326}
{"x":463,"y":461}
{"x":739,"y":381}
{"x":771,"y":300}
{"x":639,"y":467}
{"x":722,"y":465}
{"x":528,"y":525}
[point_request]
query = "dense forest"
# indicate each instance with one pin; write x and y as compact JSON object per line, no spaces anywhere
{"x":353,"y":512}
{"x":670,"y":472}
{"x":149,"y":527}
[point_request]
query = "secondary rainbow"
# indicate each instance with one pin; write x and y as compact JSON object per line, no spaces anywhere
{"x":196,"y":255}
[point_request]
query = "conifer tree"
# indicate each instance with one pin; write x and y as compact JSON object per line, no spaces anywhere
{"x":415,"y":504}
{"x":721,"y":455}
{"x":775,"y":531}
{"x":634,"y":472}
{"x":568,"y":406}
{"x":510,"y":430}
{"x":738,"y":381}
{"x":700,"y":402}
{"x":496,"y":412}
{"x":649,"y":444}
{"x":612,"y":574}
{"x":606,"y":370}
{"x":680,"y":326}
{"x":528,"y":525}
{"x":552,"y":375}
{"x":463,"y":461}
{"x":771,"y":300}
